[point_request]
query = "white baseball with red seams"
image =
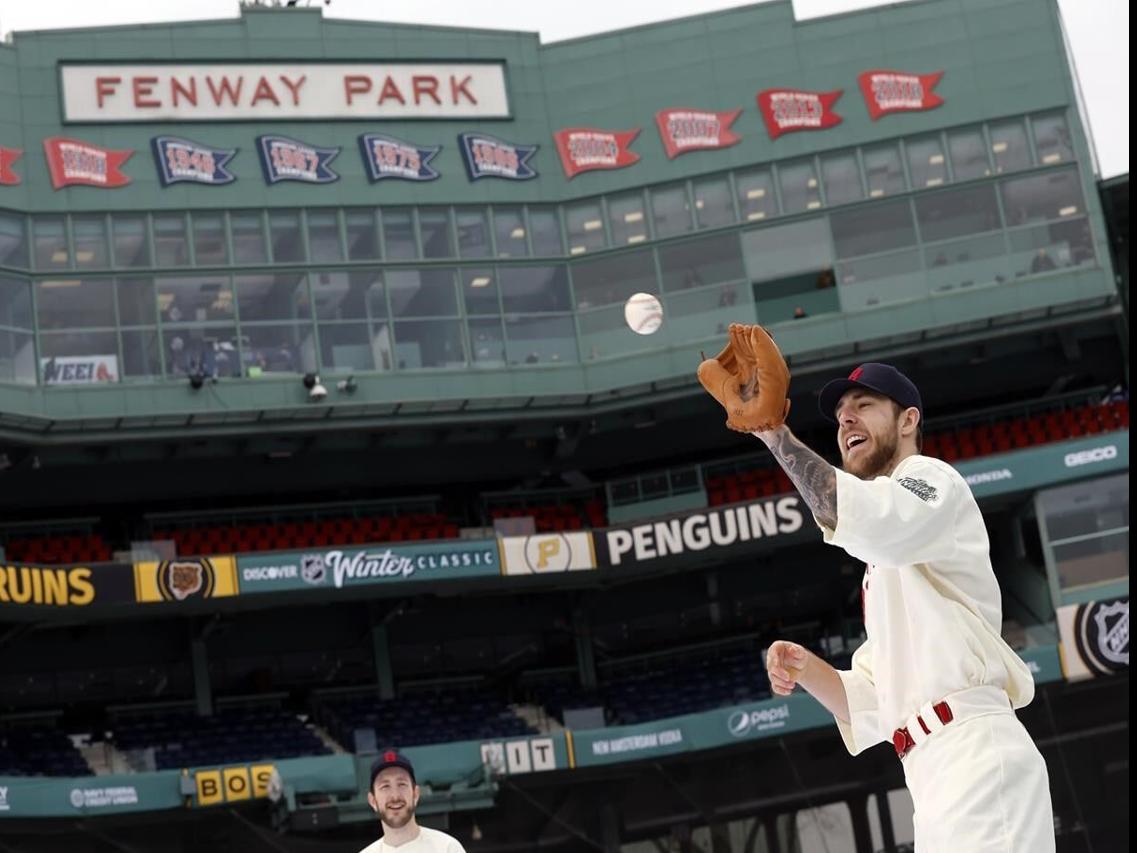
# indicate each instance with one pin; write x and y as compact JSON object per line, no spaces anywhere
{"x":643,"y":313}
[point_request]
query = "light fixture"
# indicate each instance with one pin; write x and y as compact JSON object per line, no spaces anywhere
{"x":480,"y":281}
{"x":756,"y":193}
{"x":59,"y":256}
{"x":634,"y":216}
{"x":593,"y":224}
{"x":933,"y":182}
{"x":999,"y":147}
{"x":811,"y":183}
{"x":1068,"y":211}
{"x":1052,"y":158}
{"x":637,"y":238}
{"x":316,"y":390}
{"x":55,"y":283}
{"x":84,"y":256}
{"x":577,"y":250}
{"x":875,"y":193}
{"x":517,"y":233}
{"x":813,"y":205}
{"x":936,"y":159}
{"x":758,"y":214}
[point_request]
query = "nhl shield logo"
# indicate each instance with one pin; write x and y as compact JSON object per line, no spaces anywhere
{"x":312,"y":569}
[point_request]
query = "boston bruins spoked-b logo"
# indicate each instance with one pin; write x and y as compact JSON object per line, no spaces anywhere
{"x":179,"y":580}
{"x":1101,"y":632}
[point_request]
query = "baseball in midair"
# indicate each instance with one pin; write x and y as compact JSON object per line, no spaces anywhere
{"x":643,"y":313}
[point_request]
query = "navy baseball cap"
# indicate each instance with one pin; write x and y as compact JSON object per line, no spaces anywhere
{"x":873,"y":376}
{"x":390,"y":758}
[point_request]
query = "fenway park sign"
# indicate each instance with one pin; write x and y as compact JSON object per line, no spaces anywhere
{"x":120,"y":92}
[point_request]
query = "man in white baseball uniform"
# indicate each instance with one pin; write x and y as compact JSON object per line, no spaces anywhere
{"x":394,"y":795}
{"x":934,"y":678}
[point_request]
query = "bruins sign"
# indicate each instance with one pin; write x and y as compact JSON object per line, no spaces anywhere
{"x":186,"y":579}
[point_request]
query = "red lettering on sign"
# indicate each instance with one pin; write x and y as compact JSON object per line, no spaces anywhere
{"x":456,"y":87}
{"x":425,"y":85}
{"x":105,"y":86}
{"x":390,"y":90}
{"x":355,"y":84}
{"x":177,"y":90}
{"x":294,"y":87}
{"x":144,"y":87}
{"x":264,"y":92}
{"x":226,"y":88}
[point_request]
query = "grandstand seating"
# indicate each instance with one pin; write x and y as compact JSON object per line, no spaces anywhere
{"x":39,"y":751}
{"x":558,"y":517}
{"x":414,"y":719}
{"x":183,"y":739}
{"x":68,"y":548}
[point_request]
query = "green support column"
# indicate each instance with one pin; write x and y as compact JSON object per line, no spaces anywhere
{"x":202,"y":694}
{"x":384,"y":675}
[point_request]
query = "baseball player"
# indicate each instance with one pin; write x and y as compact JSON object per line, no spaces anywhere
{"x":393,"y":795}
{"x":935,"y":678}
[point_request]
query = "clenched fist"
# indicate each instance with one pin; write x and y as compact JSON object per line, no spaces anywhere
{"x":785,"y":664}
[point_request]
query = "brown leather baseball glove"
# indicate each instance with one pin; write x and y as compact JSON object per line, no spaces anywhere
{"x":750,"y":379}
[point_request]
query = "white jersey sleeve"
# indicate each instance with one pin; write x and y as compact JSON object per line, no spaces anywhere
{"x":863,"y":728}
{"x":897,"y":522}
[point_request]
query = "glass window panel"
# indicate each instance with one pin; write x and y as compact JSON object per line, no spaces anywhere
{"x":612,"y":280}
{"x":209,"y":247}
{"x":140,"y":353}
{"x":248,"y":238}
{"x":345,"y":347}
{"x":509,"y":230}
{"x":279,"y":348}
{"x":1009,"y":145}
{"x":136,"y":305}
{"x":1057,"y":245}
{"x":957,"y":213}
{"x":324,"y":236}
{"x":487,"y":342}
{"x":873,"y":228}
{"x":967,"y":261}
{"x":50,"y":240}
{"x":13,"y":241}
{"x":362,"y":235}
{"x":791,"y":266}
{"x":842,"y":178}
{"x":272,"y":297}
{"x":799,"y":187}
{"x":880,"y":279}
{"x":90,"y":236}
{"x":17,"y":357}
{"x":171,"y":245}
{"x":428,"y":343}
{"x":540,"y":340}
{"x":545,"y":225}
{"x":434,"y":230}
{"x":884,"y":171}
{"x":78,"y":358}
{"x":756,"y":197}
{"x":398,"y":234}
{"x":287,"y":243}
{"x":195,"y":299}
{"x":1052,"y":139}
{"x":968,"y":154}
{"x":585,"y":227}
{"x":696,"y":263}
{"x":131,"y":243}
{"x":926,"y":162}
{"x":422,"y":293}
{"x":534,"y":289}
{"x":706,"y":311}
{"x":15,"y":302}
{"x":75,"y":303}
{"x":211,"y":350}
{"x":357,"y":295}
{"x":1042,"y":197}
{"x":713,"y":204}
{"x":473,"y":232}
{"x":670,"y":210}
{"x":479,"y":291}
{"x":626,"y":218}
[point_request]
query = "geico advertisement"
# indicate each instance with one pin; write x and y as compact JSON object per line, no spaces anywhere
{"x":230,"y":784}
{"x":725,"y":527}
{"x":547,"y":552}
{"x":64,"y":586}
{"x":186,"y":578}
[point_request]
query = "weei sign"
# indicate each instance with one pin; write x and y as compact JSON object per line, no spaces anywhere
{"x":735,"y":528}
{"x":348,"y":567}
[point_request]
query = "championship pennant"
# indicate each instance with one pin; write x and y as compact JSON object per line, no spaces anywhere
{"x":386,"y":157}
{"x":72,"y":162}
{"x":787,"y":110}
{"x":8,"y":156}
{"x":183,"y":160}
{"x":284,"y":159}
{"x":583,"y":149}
{"x":897,"y":92}
{"x":487,"y":157}
{"x":684,"y":130}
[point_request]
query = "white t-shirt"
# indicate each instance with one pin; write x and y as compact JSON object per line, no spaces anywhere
{"x":428,"y":841}
{"x":933,"y":610}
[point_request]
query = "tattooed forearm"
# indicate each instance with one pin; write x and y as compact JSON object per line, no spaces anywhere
{"x":815,"y":478}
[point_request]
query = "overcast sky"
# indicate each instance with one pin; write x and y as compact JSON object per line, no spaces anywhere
{"x":1098,"y":32}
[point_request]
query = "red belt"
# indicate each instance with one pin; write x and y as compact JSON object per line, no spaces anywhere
{"x":902,"y":740}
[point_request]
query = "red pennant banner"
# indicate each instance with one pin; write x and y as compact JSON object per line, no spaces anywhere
{"x":897,"y":92}
{"x":71,"y":161}
{"x":8,"y":156}
{"x":787,"y":110}
{"x":583,"y":149}
{"x":684,"y":130}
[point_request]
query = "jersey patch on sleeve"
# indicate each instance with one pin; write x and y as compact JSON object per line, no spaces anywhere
{"x":922,"y":489}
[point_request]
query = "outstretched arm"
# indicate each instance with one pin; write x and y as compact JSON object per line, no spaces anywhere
{"x":816,"y":479}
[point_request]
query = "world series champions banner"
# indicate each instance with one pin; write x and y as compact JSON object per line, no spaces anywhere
{"x":72,"y":162}
{"x":583,"y":149}
{"x":898,"y":91}
{"x":182,"y":160}
{"x":284,"y":159}
{"x":489,"y":157}
{"x":386,"y":157}
{"x":684,"y":130}
{"x":789,"y":110}
{"x":9,"y":156}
